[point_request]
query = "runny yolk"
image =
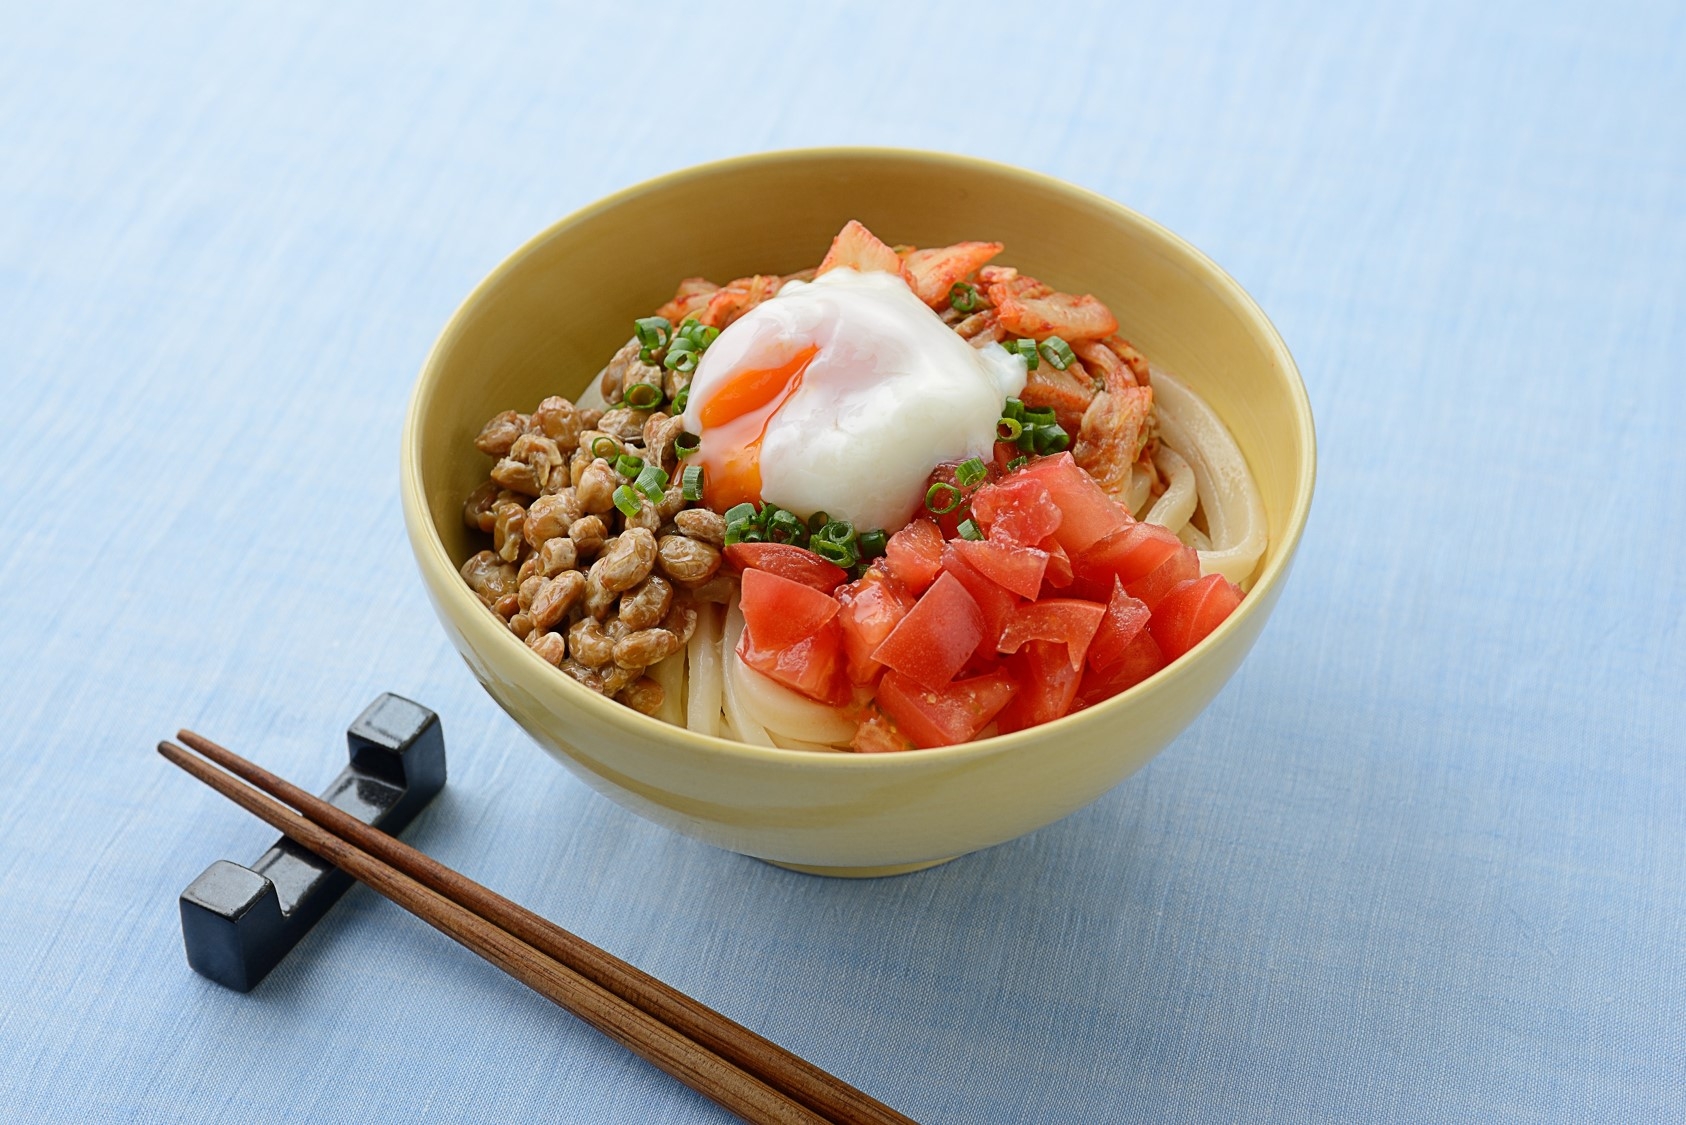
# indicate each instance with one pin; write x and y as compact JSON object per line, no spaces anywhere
{"x":734,"y":473}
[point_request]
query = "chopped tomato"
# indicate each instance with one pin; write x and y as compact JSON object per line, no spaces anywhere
{"x":1139,"y":659}
{"x":944,"y":715}
{"x":933,"y":641}
{"x":778,"y":612}
{"x":1070,"y":621}
{"x":1147,"y":558}
{"x":1009,"y":566}
{"x":1087,"y":514}
{"x":1124,"y":618}
{"x":1190,"y":610}
{"x":994,"y":602}
{"x":1016,"y":510}
{"x":811,"y":665}
{"x":915,"y":555}
{"x":878,"y":734}
{"x":1059,"y":572}
{"x":787,"y":561}
{"x":947,"y":473}
{"x":1047,"y":685}
{"x":872,"y":606}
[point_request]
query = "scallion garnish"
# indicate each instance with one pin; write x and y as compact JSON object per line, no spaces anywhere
{"x":942,"y":498}
{"x":653,"y":333}
{"x":643,"y":396}
{"x":964,"y":298}
{"x":1057,"y":352}
{"x":680,"y":399}
{"x":627,"y":464}
{"x":969,"y":530}
{"x":691,"y":482}
{"x":832,"y":552}
{"x":1017,"y":463}
{"x":684,"y":362}
{"x":652,"y":481}
{"x":740,"y":514}
{"x":606,"y":447}
{"x":1008,"y":429}
{"x":817,"y":521}
{"x":627,"y":501}
{"x":699,"y":335}
{"x":970,"y":472}
{"x":1025,"y":350}
{"x":871,"y":543}
{"x":786,"y":527}
{"x":686,"y":443}
{"x":841,"y":532}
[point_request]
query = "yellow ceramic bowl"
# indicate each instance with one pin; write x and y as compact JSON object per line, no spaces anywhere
{"x":548,"y":318}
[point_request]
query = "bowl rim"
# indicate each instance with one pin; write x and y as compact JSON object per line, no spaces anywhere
{"x":428,"y":546}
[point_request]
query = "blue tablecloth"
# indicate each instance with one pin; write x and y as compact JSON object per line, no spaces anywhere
{"x":1422,"y":860}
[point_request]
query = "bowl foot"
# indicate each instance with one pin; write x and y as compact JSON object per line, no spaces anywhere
{"x":861,"y":872}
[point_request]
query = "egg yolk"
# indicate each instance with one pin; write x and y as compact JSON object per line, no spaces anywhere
{"x":748,"y":398}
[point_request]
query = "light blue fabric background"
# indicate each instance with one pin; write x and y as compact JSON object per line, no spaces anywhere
{"x":1421,"y":861}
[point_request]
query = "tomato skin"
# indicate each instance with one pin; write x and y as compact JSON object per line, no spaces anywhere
{"x":1087,"y":514}
{"x":1124,"y":618}
{"x":1014,"y":568}
{"x":878,"y":734}
{"x":1147,"y":558}
{"x":779,"y":612}
{"x":914,"y":555}
{"x":994,"y":602}
{"x":937,"y":636}
{"x":1018,"y":510}
{"x":811,"y":666}
{"x":1191,"y":610}
{"x":1139,"y":659}
{"x":1059,"y":573}
{"x":1069,"y":621}
{"x":947,"y":715}
{"x":787,"y":561}
{"x":872,"y":606}
{"x":1047,"y":686}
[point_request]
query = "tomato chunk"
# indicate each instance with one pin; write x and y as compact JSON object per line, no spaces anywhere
{"x":947,"y":715}
{"x":872,"y":606}
{"x":779,"y":612}
{"x":1047,"y":685}
{"x":1147,"y":558}
{"x":1139,"y":659}
{"x":1008,"y":565}
{"x":1191,"y":610}
{"x":1124,"y":618}
{"x":915,"y":555}
{"x":878,"y":734}
{"x":933,"y":641}
{"x":1059,"y":574}
{"x":1018,"y":510}
{"x":787,"y":561}
{"x":995,"y":602}
{"x":1070,"y":621}
{"x":1087,"y":514}
{"x":811,"y":665}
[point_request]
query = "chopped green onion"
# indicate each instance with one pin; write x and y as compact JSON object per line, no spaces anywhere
{"x":1048,"y":438}
{"x":1040,"y":417}
{"x":786,"y":527}
{"x":740,"y":514}
{"x":964,"y":298}
{"x":970,"y":472}
{"x":627,"y":501}
{"x":871,"y":543}
{"x":841,"y":532}
{"x":969,"y":530}
{"x":653,"y":333}
{"x":1057,"y":440}
{"x":1017,"y":463}
{"x":698,"y":334}
{"x":685,"y":362}
{"x":680,"y":399}
{"x":627,"y":465}
{"x":606,"y":447}
{"x":652,"y":481}
{"x":1057,"y":352}
{"x":1025,"y":350}
{"x":833,"y":552}
{"x":686,"y":443}
{"x":1008,"y":429}
{"x":691,"y":482}
{"x":817,"y":521}
{"x":643,"y":396}
{"x":943,"y":498}
{"x":1013,"y":408}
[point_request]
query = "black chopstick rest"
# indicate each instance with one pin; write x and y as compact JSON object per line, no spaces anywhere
{"x":238,"y":922}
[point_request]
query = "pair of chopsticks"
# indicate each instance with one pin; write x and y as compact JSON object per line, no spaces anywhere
{"x":719,"y":1058}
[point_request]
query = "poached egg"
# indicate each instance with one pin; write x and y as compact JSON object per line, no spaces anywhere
{"x":840,"y":395}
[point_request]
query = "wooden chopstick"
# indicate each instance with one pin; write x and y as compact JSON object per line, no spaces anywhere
{"x":630,"y":1026}
{"x":760,"y":1061}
